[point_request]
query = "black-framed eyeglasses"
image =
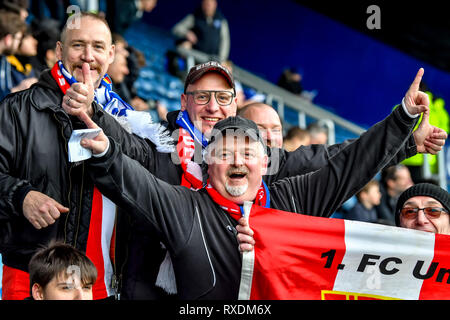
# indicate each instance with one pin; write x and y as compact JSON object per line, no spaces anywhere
{"x":430,"y":212}
{"x":223,"y":98}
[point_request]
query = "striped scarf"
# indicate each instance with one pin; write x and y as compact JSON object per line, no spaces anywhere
{"x":192,"y":173}
{"x":137,"y":122}
{"x":262,"y":199}
{"x":110,"y":101}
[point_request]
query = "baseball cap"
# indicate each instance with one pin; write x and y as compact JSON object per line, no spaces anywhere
{"x":422,"y":189}
{"x":196,"y":72}
{"x":236,"y":125}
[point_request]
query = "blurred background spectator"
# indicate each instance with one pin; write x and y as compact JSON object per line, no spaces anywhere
{"x":394,"y":180}
{"x":206,"y":30}
{"x":120,"y":14}
{"x":367,"y":198}
{"x":17,"y":6}
{"x":12,"y":29}
{"x":296,"y":137}
{"x":318,"y":133}
{"x":125,"y":70}
{"x":21,"y":61}
{"x":291,"y":80}
{"x":49,"y":9}
{"x":47,"y":33}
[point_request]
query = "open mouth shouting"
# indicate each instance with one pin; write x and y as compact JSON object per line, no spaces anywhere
{"x":237,"y":184}
{"x":237,"y":175}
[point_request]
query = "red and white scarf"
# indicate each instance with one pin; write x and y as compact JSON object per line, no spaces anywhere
{"x":192,"y":176}
{"x":236,"y":211}
{"x":101,"y":226}
{"x":137,"y":122}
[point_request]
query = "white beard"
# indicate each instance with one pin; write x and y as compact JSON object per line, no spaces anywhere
{"x":236,"y":191}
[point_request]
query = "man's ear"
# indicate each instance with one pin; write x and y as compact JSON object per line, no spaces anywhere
{"x":58,"y":50}
{"x":265,"y":163}
{"x":112,"y":53}
{"x":183,"y":101}
{"x":37,"y":292}
{"x":234,"y":106}
{"x":8,"y":40}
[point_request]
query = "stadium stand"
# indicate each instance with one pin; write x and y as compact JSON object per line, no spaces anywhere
{"x":156,"y":83}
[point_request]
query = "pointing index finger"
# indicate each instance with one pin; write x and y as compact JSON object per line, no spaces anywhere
{"x":416,"y":83}
{"x":85,"y":118}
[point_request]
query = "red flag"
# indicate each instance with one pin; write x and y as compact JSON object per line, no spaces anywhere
{"x":305,"y":257}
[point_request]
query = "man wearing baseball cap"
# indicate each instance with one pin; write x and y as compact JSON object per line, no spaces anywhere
{"x":424,"y":207}
{"x":197,"y":227}
{"x":208,"y":98}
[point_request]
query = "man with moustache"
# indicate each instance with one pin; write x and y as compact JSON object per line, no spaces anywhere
{"x":209,"y":96}
{"x":197,"y":227}
{"x":43,"y":196}
{"x":424,"y":207}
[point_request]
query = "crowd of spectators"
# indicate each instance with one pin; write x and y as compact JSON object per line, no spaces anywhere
{"x":31,"y":44}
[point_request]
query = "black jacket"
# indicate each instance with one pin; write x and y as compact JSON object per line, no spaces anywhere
{"x":196,"y":231}
{"x":208,"y":34}
{"x":34,"y":132}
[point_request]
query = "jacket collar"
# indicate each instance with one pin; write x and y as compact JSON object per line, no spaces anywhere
{"x":50,"y":97}
{"x":172,"y":120}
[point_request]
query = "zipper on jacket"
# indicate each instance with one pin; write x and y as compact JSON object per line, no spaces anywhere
{"x":80,"y":205}
{"x":69,"y":175}
{"x":116,"y":278}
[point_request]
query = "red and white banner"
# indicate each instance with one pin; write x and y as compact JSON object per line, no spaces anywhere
{"x":303,"y":257}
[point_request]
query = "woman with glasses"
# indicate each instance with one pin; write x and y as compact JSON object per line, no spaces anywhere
{"x":424,"y":207}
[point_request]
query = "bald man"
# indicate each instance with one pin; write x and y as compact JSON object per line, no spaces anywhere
{"x":268,"y":122}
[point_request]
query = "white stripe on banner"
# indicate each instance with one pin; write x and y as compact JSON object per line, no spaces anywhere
{"x":108,"y":218}
{"x":384,"y":259}
{"x":248,"y":262}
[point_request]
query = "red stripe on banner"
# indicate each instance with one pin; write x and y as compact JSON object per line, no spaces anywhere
{"x":437,"y":282}
{"x":94,"y":245}
{"x":288,"y":262}
{"x":15,"y":284}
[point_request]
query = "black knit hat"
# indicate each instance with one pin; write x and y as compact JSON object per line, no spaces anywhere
{"x":422,"y":189}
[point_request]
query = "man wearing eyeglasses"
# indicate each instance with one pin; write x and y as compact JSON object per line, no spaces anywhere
{"x":209,"y":96}
{"x":424,"y":207}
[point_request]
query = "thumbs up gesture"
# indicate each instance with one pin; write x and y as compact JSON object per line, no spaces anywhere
{"x":80,"y":95}
{"x":428,"y":138}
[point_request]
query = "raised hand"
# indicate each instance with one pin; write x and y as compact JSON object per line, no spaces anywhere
{"x":428,"y":138}
{"x":100,"y":142}
{"x":41,"y":210}
{"x":416,"y":101}
{"x":80,"y":95}
{"x":245,"y":235}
